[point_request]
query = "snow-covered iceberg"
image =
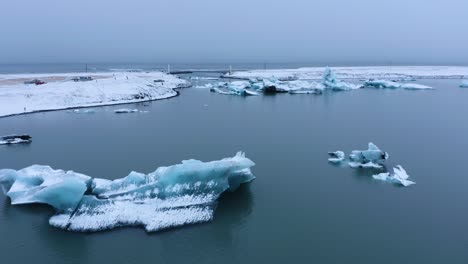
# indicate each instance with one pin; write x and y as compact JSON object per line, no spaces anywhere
{"x":399,"y":176}
{"x":395,"y":85}
{"x":171,"y":196}
{"x":464,"y":84}
{"x":15,"y":139}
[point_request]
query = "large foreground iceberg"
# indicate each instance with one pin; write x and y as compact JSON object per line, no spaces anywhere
{"x":171,"y":196}
{"x":395,"y":85}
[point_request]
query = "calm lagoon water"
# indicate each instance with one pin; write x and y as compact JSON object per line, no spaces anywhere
{"x":300,"y":209}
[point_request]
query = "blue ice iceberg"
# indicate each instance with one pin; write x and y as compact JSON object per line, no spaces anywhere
{"x":233,"y":88}
{"x":330,"y":82}
{"x":395,"y":85}
{"x":464,"y":84}
{"x":62,"y":190}
{"x":170,"y":196}
{"x":369,"y":158}
{"x":399,"y":176}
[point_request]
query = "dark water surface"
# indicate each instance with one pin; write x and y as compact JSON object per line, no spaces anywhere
{"x":300,"y":209}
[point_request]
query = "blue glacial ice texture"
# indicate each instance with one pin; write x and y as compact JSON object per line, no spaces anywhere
{"x":171,"y":196}
{"x":62,"y":190}
{"x":367,"y":158}
{"x":464,"y":84}
{"x":331,"y":82}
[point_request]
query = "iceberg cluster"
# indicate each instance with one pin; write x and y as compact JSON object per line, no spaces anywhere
{"x":395,"y":85}
{"x":464,"y":84}
{"x":171,"y":196}
{"x":15,"y":139}
{"x":399,"y":176}
{"x":371,"y":159}
{"x":254,"y":86}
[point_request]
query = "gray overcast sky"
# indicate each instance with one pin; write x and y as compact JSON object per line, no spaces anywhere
{"x":373,"y":31}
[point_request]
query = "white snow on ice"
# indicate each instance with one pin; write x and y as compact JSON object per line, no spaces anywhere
{"x":373,"y":72}
{"x":171,"y":196}
{"x":61,"y":92}
{"x":399,"y":176}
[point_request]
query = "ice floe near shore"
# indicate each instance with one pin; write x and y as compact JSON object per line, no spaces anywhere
{"x":370,"y":72}
{"x":64,"y":91}
{"x":125,"y":111}
{"x":464,"y":84}
{"x":395,"y":85}
{"x":171,"y":196}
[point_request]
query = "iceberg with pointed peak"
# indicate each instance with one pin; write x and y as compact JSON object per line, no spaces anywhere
{"x":399,"y":176}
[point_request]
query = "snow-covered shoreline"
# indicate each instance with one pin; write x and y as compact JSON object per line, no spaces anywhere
{"x":371,"y":72}
{"x":62,"y":92}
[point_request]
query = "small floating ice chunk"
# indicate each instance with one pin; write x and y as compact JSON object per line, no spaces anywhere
{"x":399,"y":176}
{"x":125,"y":111}
{"x":15,"y":139}
{"x":464,"y":84}
{"x":395,"y":85}
{"x":336,"y":157}
{"x":84,"y":111}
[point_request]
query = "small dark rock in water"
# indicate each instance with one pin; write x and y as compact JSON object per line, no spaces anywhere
{"x":15,"y":139}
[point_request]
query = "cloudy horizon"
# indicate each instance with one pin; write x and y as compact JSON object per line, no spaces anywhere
{"x":361,"y":32}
